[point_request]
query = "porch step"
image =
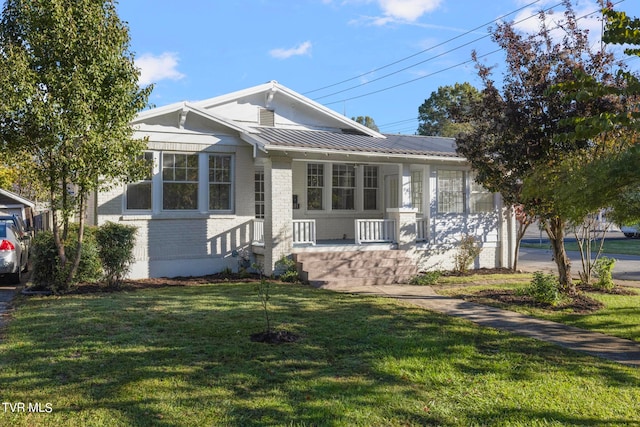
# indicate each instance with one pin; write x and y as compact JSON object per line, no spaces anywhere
{"x":355,"y":268}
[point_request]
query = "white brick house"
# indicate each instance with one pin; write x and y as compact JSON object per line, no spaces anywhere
{"x":267,"y":171}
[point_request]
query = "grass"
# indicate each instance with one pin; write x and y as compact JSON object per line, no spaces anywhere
{"x":620,"y":317}
{"x":181,"y":356}
{"x":610,"y":247}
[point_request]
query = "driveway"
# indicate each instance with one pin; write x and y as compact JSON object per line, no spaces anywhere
{"x":627,"y":266}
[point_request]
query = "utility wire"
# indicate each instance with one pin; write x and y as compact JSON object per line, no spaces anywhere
{"x":428,"y":59}
{"x":422,"y":51}
{"x":450,"y":67}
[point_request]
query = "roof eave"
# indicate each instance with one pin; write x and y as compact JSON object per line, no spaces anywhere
{"x":434,"y":157}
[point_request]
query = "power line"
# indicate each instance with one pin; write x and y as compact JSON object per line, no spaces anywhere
{"x":431,"y":58}
{"x":422,"y":51}
{"x":450,"y":67}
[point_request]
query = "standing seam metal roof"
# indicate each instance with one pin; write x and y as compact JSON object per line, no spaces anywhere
{"x":392,"y":144}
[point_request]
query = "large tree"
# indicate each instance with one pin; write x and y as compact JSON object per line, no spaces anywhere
{"x":69,"y":91}
{"x":518,"y":125}
{"x":448,"y":111}
{"x":609,"y":179}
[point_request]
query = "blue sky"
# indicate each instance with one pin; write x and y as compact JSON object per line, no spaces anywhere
{"x":378,"y":58}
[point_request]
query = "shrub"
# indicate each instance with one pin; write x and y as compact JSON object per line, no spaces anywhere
{"x":468,"y":251}
{"x":426,"y":278}
{"x":286,"y":270}
{"x":544,"y":288}
{"x":115,"y":248}
{"x":603,"y":267}
{"x":47,"y":273}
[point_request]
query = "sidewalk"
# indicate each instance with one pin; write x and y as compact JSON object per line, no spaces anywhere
{"x":593,"y":343}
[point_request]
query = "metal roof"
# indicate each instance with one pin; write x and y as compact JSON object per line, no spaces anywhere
{"x":337,"y":141}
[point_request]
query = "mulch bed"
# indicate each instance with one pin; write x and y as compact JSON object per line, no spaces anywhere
{"x":274,"y":337}
{"x":579,"y":303}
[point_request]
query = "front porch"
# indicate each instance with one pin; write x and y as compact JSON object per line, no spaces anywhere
{"x":367,"y":232}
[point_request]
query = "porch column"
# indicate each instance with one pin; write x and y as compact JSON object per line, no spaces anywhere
{"x":278,"y":215}
{"x":406,"y":230}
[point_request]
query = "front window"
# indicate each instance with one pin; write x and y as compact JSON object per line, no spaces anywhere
{"x":220,"y":183}
{"x":179,"y":181}
{"x":259,"y":193}
{"x":315,"y":186}
{"x":370,"y":188}
{"x":481,"y":199}
{"x":139,"y":193}
{"x":343,"y":187}
{"x":416,"y":190}
{"x":450,"y":191}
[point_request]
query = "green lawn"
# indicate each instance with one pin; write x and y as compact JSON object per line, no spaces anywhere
{"x":620,"y":317}
{"x":181,"y":356}
{"x":611,"y":246}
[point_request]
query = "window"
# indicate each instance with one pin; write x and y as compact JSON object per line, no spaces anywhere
{"x":450,"y":191}
{"x":220,"y":183}
{"x":179,"y":181}
{"x":481,"y":199}
{"x":315,"y":186}
{"x":416,"y":190}
{"x":139,"y":193}
{"x":343,"y":187}
{"x":259,"y":192}
{"x":370,"y":188}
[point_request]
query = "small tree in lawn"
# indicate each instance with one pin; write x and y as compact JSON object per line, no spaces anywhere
{"x":69,"y":91}
{"x":517,"y":126}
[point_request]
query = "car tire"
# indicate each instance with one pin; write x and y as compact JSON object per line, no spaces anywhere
{"x":16,"y":278}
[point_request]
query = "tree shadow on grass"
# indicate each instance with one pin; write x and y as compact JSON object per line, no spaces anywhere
{"x":183,"y":356}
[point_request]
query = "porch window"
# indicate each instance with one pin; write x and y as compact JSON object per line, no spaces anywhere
{"x":138,"y":196}
{"x":315,"y":186}
{"x":179,"y":181}
{"x":220,"y":183}
{"x":481,"y":199}
{"x":343,"y":187}
{"x":416,"y":190}
{"x":259,"y":193}
{"x":450,"y":191}
{"x":370,"y":187}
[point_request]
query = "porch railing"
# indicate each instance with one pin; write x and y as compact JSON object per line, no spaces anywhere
{"x":375,"y":230}
{"x":258,"y":231}
{"x":304,"y":231}
{"x":422,"y":230}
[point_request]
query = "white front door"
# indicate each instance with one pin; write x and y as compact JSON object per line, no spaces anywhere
{"x":391,"y":191}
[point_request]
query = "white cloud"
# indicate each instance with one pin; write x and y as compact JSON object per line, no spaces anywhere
{"x":587,"y":11}
{"x":407,"y":10}
{"x":156,"y":68}
{"x":301,"y":49}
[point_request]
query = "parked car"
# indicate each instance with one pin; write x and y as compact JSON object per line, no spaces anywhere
{"x":24,"y":232}
{"x":13,"y":255}
{"x":631,"y":231}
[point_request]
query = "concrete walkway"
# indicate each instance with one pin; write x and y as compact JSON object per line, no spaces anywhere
{"x":593,"y":343}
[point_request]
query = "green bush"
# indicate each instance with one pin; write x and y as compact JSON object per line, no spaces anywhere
{"x":426,"y":278}
{"x":544,"y":288}
{"x":47,"y":272}
{"x":115,"y":249}
{"x":468,"y":251}
{"x":603,"y":267}
{"x":286,"y":270}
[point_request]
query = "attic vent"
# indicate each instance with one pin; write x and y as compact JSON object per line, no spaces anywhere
{"x":267,"y":117}
{"x":353,"y":132}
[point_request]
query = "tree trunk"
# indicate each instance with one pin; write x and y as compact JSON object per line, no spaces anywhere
{"x":76,"y":261}
{"x":555,"y":228}
{"x":56,"y":230}
{"x":522,"y":228}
